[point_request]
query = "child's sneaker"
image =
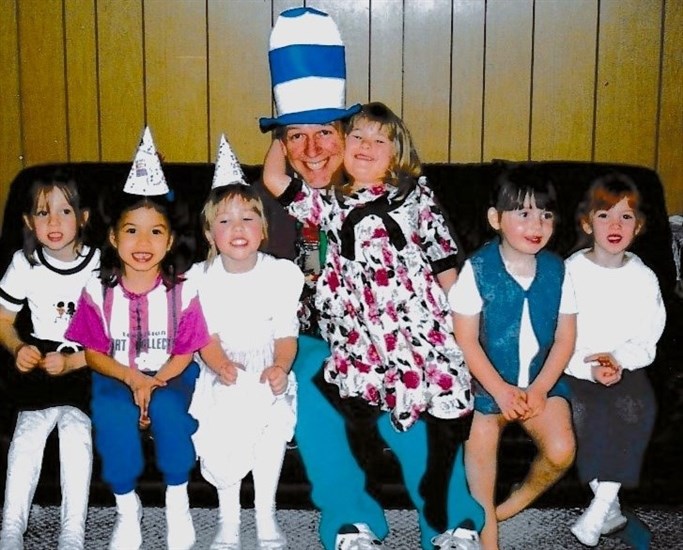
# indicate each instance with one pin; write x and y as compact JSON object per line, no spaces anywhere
{"x":227,"y":537}
{"x":127,"y":534}
{"x":457,"y":539}
{"x":590,"y":524}
{"x":357,"y":536}
{"x":269,"y":534}
{"x":615,"y":520}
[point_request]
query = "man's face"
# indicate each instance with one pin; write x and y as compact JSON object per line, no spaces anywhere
{"x":315,"y":152}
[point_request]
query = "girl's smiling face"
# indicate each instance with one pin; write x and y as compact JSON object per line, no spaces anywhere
{"x":369,"y":153}
{"x":55,"y":225}
{"x":142,"y":238}
{"x":237,"y":232}
{"x":613,"y":230}
{"x":524,"y":231}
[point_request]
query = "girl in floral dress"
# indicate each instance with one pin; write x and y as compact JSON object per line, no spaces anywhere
{"x":382,"y":305}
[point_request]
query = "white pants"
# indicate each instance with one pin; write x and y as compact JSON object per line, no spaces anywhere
{"x":25,"y":459}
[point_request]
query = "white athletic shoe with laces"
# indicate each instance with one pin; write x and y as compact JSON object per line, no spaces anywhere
{"x":457,"y":539}
{"x":357,"y":536}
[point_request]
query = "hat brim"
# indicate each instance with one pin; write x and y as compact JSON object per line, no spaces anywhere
{"x":316,"y":116}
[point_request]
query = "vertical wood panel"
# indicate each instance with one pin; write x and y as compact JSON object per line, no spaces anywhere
{"x":386,"y":53}
{"x":239,"y":78}
{"x":670,"y":158}
{"x":427,"y":77}
{"x":508,"y":79}
{"x":10,"y":121}
{"x":175,"y":78}
{"x":628,"y":79}
{"x":563,"y":79}
{"x":121,"y":68}
{"x":43,"y":90}
{"x":81,"y":80}
{"x":467,"y":83}
{"x":353,"y":20}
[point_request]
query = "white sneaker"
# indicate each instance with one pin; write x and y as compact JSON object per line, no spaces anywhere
{"x":70,"y":541}
{"x":457,"y":539}
{"x":11,"y":540}
{"x":227,"y":537}
{"x":269,"y":534}
{"x":127,"y":534}
{"x":615,"y":520}
{"x":180,"y":534}
{"x":357,"y":536}
{"x":590,"y":524}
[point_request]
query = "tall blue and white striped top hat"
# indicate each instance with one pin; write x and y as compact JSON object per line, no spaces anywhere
{"x":307,"y":69}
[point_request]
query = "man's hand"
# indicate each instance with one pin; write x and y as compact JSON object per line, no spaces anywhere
{"x":276,"y":376}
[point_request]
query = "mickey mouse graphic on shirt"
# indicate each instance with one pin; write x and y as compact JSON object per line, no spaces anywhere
{"x":65,"y":311}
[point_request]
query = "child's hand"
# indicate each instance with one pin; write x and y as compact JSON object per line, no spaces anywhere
{"x":227,"y":372}
{"x":512,"y":402}
{"x":605,"y":368}
{"x":142,"y":387}
{"x":55,"y":363}
{"x":27,"y":358}
{"x":535,"y":400}
{"x":276,"y":377}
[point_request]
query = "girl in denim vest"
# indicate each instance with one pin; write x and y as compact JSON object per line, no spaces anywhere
{"x":514,"y":318}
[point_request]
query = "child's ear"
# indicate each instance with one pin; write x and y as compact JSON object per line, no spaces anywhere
{"x":85,"y":213}
{"x":171,"y":240}
{"x":586,"y":226}
{"x":112,"y":238}
{"x":494,"y":218}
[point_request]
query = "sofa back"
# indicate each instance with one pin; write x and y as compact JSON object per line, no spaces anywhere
{"x":462,"y":189}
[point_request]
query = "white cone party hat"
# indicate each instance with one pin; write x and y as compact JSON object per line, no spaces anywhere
{"x":146,"y":177}
{"x":228,"y":169}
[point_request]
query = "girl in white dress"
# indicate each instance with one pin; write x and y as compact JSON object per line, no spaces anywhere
{"x":620,"y":319}
{"x":245,"y":396}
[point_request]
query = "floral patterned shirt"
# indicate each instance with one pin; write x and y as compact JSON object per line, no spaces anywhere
{"x":380,"y":306}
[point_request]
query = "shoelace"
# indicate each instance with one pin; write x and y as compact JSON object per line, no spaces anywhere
{"x":449,"y":541}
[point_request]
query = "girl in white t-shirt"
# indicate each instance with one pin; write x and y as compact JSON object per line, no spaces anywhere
{"x":50,"y":384}
{"x":620,"y":318}
{"x":245,"y":397}
{"x":515,"y":320}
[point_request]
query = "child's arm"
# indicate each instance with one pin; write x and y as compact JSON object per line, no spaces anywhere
{"x":510,"y":398}
{"x":558,"y":357}
{"x":215,"y":358}
{"x":275,"y":176}
{"x":447,"y":279}
{"x":283,"y":357}
{"x":175,"y":366}
{"x":26,"y":357}
{"x":139,"y":383}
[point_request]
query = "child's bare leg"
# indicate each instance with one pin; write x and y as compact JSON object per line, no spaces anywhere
{"x":552,"y":433}
{"x":481,"y":451}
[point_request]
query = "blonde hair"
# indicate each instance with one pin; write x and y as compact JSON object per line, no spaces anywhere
{"x":225,"y":194}
{"x":405,"y":167}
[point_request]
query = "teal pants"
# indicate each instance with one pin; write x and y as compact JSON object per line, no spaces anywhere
{"x":338,"y":483}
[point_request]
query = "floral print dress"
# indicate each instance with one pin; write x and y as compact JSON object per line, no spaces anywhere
{"x":380,"y":306}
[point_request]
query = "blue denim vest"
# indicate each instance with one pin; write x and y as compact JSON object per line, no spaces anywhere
{"x":501,"y":316}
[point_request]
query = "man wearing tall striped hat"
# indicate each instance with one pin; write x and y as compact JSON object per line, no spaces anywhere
{"x":308,"y":71}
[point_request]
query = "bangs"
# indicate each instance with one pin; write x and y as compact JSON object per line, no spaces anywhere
{"x":513,"y":188}
{"x":604,"y":198}
{"x":227,"y":193}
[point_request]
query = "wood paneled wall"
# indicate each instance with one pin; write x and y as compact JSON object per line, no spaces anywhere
{"x":474,"y":79}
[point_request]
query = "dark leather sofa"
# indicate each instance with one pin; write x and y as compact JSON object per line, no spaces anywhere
{"x":463,"y":191}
